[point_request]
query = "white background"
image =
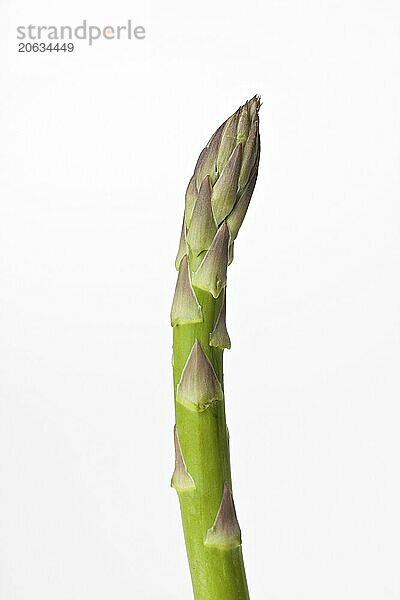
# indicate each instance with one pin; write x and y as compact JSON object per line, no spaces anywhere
{"x":96,"y":151}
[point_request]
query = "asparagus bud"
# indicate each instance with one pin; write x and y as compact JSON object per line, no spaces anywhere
{"x":230,"y":160}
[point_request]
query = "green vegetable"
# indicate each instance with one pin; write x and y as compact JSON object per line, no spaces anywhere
{"x":217,"y":199}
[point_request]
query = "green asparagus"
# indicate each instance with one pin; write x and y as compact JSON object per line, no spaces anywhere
{"x":217,"y":199}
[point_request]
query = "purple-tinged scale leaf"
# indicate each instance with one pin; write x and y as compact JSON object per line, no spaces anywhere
{"x":225,"y":190}
{"x":228,"y":141}
{"x":225,"y":532}
{"x":185,"y":307}
{"x":219,"y":337}
{"x":198,"y":387}
{"x":181,"y":480}
{"x":202,"y":225}
{"x":211,"y":273}
{"x":182,"y":250}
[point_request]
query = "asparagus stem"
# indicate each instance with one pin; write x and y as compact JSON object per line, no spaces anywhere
{"x":217,"y":199}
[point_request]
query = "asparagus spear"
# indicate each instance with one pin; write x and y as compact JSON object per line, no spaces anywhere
{"x":217,"y":199}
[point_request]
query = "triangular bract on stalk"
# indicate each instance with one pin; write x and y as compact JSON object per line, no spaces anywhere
{"x":181,"y":480}
{"x":225,"y":532}
{"x":198,"y":387}
{"x":219,"y":337}
{"x":185,"y":307}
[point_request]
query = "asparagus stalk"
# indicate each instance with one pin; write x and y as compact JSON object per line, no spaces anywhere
{"x":217,"y":199}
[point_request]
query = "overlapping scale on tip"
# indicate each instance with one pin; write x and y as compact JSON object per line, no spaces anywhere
{"x":190,"y":200}
{"x":228,"y":140}
{"x":211,"y":273}
{"x":225,"y":531}
{"x":236,"y":217}
{"x":207,"y":161}
{"x":244,"y":123}
{"x":250,"y":153}
{"x":182,"y":250}
{"x":202,"y":227}
{"x":181,"y":480}
{"x":224,"y":193}
{"x":254,"y":106}
{"x":198,"y":387}
{"x":185,"y":307}
{"x":219,"y":337}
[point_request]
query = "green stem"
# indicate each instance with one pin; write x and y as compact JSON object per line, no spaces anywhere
{"x":217,"y":572}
